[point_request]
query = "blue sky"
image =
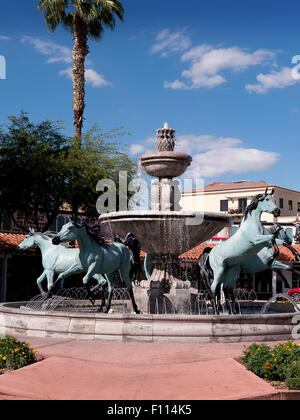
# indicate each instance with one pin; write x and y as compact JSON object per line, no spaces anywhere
{"x":219,"y":72}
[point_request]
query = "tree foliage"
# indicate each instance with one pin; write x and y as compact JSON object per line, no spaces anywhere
{"x":42,"y":170}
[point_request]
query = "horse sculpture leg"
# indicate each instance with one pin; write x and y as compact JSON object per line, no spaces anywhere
{"x":216,"y":285}
{"x":39,"y":282}
{"x":50,"y":277}
{"x":102,"y":281}
{"x":126,"y":278}
{"x":230,"y":278}
{"x":110,"y":281}
{"x":124,"y":270}
{"x":284,"y":280}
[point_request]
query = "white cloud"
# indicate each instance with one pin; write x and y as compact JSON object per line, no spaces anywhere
{"x":4,"y":38}
{"x":95,"y":79}
{"x":56,"y":53}
{"x":274,"y":80}
{"x":230,"y":160}
{"x":214,"y":156}
{"x":61,"y":54}
{"x":208,"y":62}
{"x":177,"y":84}
{"x":91,"y":77}
{"x":136,"y":149}
{"x":192,"y":144}
{"x":167,"y":41}
{"x":145,"y":146}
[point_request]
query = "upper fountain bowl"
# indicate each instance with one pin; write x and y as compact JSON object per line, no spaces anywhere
{"x":167,"y":232}
{"x":166,"y":164}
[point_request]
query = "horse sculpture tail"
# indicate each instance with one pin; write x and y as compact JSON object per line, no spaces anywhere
{"x":135,"y":250}
{"x":205,"y":270}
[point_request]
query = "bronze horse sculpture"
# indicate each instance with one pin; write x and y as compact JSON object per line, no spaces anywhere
{"x":222,"y":265}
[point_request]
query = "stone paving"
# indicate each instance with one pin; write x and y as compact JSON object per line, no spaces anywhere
{"x":74,"y":370}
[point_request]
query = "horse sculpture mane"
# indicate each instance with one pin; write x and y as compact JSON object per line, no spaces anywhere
{"x":48,"y":236}
{"x":45,"y":235}
{"x":92,"y":231}
{"x":253,"y":205}
{"x":95,"y":235}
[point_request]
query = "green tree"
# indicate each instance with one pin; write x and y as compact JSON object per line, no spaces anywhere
{"x":42,"y":170}
{"x":98,"y":157}
{"x":31,"y":179}
{"x":84,"y":19}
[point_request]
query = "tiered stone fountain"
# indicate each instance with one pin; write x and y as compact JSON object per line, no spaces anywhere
{"x":165,"y":231}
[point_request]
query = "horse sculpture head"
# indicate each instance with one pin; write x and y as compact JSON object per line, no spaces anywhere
{"x":71,"y":230}
{"x":28,"y":242}
{"x":129,"y":240}
{"x":68,"y":233}
{"x":265,"y":203}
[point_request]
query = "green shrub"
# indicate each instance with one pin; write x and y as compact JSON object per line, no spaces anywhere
{"x":258,"y":359}
{"x":293,"y":383}
{"x":280,"y":363}
{"x":15,"y":354}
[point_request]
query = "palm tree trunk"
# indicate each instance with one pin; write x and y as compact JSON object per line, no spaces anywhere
{"x":80,"y":51}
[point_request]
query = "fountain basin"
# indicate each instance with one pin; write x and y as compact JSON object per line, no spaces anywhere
{"x":166,"y":164}
{"x":167,"y":233}
{"x":146,"y":328}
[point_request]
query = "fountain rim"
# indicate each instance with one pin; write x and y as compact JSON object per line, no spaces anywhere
{"x":131,"y":327}
{"x":166,"y":154}
{"x":168,"y":215}
{"x":15,"y":307}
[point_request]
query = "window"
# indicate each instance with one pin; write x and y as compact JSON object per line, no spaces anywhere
{"x":298,"y":207}
{"x":6,"y":222}
{"x":242,"y":204}
{"x":224,"y":205}
{"x":52,"y":228}
{"x":290,"y":205}
{"x":281,"y":203}
{"x":60,"y":222}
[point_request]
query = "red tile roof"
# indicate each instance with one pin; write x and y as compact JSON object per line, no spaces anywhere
{"x":237,"y":185}
{"x":9,"y":241}
{"x":224,"y":186}
{"x":286,"y":254}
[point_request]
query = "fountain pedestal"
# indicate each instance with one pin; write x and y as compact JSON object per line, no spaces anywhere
{"x":164,"y":291}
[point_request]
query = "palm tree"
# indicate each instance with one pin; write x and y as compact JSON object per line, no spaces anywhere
{"x":84,"y":19}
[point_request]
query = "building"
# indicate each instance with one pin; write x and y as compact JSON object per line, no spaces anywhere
{"x":234,"y":197}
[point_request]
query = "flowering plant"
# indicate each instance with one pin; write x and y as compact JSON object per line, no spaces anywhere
{"x":280,"y":363}
{"x":15,"y":354}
